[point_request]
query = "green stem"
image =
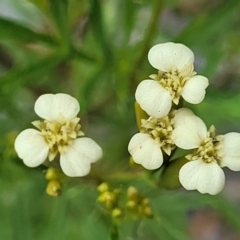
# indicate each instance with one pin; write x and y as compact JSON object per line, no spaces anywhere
{"x":114,"y":232}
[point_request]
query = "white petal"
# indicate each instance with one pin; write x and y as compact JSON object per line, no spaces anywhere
{"x":153,"y":98}
{"x":31,"y":147}
{"x":77,"y":160}
{"x":50,"y":106}
{"x":194,"y":89}
{"x":204,"y":177}
{"x":180,"y":115}
{"x":145,"y":151}
{"x":166,"y":56}
{"x":231,"y":150}
{"x":190,"y":133}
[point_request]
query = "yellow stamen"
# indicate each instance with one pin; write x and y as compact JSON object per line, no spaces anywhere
{"x":174,"y":80}
{"x":209,"y":150}
{"x":59,"y":134}
{"x":161,"y":130}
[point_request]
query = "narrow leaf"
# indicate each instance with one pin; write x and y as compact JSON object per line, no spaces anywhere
{"x":13,"y":31}
{"x":59,"y":9}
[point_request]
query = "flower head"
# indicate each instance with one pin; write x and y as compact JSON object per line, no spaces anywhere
{"x":175,"y":79}
{"x":147,"y":147}
{"x":58,"y":134}
{"x":204,"y":171}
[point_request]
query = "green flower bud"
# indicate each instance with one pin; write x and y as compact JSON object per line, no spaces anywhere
{"x":169,"y":178}
{"x":147,"y":211}
{"x":131,"y":205}
{"x":133,"y":194}
{"x":117,"y":212}
{"x":54,"y":188}
{"x":133,"y":164}
{"x":51,"y":174}
{"x":103,"y":187}
{"x":140,"y":114}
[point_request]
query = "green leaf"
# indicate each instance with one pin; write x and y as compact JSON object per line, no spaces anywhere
{"x":13,"y":31}
{"x":36,"y":69}
{"x":205,"y":26}
{"x":99,"y":30}
{"x":59,"y":9}
{"x":228,"y":210}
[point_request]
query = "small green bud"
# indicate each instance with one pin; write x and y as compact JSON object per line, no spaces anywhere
{"x":54,"y":188}
{"x":131,"y":205}
{"x":145,"y":202}
{"x":148,"y":211}
{"x":117,"y":212}
{"x":169,"y":178}
{"x":51,"y":174}
{"x":103,"y":187}
{"x":140,"y":114}
{"x":133,"y":164}
{"x":133,"y":194}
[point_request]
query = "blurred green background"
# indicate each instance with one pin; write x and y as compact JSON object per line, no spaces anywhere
{"x":96,"y":51}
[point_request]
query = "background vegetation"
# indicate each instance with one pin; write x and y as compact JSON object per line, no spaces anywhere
{"x":97,"y":52}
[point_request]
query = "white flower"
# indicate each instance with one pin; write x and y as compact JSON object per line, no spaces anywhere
{"x":231,"y":157}
{"x":147,"y":146}
{"x":145,"y":151}
{"x":58,"y":134}
{"x":175,"y":79}
{"x":204,"y":170}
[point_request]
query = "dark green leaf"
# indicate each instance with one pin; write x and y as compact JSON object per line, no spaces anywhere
{"x":13,"y":31}
{"x":36,"y":69}
{"x":59,"y":9}
{"x":99,"y":30}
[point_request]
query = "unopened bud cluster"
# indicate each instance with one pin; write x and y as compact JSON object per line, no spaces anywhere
{"x":137,"y":204}
{"x":134,"y":204}
{"x":110,"y":198}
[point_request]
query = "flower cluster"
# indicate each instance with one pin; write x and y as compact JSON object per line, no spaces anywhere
{"x":59,"y":134}
{"x":164,"y":125}
{"x":169,"y":125}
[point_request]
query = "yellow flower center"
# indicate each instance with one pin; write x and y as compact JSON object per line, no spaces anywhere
{"x":59,"y":134}
{"x":210,"y":149}
{"x":174,"y":80}
{"x":160,"y":130}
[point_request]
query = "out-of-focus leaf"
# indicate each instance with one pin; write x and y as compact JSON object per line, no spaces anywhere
{"x":59,"y":9}
{"x":83,"y":55}
{"x":99,"y":30}
{"x":205,"y":26}
{"x":229,"y":211}
{"x":177,"y":203}
{"x":13,"y":31}
{"x":214,"y":56}
{"x":36,"y":69}
{"x":23,"y":12}
{"x":121,"y":23}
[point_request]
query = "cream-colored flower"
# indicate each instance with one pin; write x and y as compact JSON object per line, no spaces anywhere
{"x":175,"y":79}
{"x":147,"y":146}
{"x":60,"y":133}
{"x":204,"y":171}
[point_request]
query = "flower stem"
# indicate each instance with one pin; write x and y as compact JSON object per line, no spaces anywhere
{"x":114,"y":232}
